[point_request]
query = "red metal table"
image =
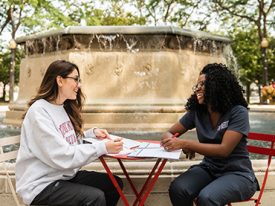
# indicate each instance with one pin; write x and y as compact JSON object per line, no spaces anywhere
{"x":149,"y":183}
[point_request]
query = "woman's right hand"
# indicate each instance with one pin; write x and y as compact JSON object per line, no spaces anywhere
{"x":165,"y":137}
{"x":114,"y":146}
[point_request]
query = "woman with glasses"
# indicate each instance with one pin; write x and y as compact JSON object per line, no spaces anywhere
{"x":51,"y":150}
{"x":218,"y":112}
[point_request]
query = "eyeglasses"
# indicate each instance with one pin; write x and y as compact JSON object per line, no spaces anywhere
{"x":197,"y":86}
{"x":76,"y":79}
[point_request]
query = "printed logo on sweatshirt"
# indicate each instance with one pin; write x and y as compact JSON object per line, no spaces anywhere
{"x":67,"y":131}
{"x":223,"y":126}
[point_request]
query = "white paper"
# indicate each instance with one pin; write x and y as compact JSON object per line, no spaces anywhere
{"x":154,"y":150}
{"x":128,"y":143}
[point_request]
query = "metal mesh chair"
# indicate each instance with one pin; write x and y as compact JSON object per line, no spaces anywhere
{"x":6,"y":155}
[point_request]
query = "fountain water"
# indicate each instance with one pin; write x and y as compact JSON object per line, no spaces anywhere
{"x":135,"y":78}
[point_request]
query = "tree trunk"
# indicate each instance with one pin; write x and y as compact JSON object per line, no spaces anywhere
{"x":4,"y":92}
{"x":248,"y":92}
{"x":2,"y":99}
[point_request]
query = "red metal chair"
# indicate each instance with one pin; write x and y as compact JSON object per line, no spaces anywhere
{"x":262,"y":149}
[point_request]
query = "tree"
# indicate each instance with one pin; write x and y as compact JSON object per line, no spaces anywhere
{"x":11,"y":20}
{"x":271,"y":57}
{"x":8,"y":20}
{"x":248,"y":58}
{"x":257,"y":14}
{"x":114,"y":13}
{"x":5,"y":68}
{"x":12,"y":12}
{"x":173,"y":12}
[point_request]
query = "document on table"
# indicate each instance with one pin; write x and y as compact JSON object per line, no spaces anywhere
{"x":147,"y":149}
{"x":128,"y":144}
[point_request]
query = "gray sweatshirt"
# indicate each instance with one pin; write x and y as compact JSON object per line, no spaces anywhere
{"x":49,"y":149}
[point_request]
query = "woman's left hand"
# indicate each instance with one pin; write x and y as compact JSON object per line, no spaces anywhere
{"x":188,"y":154}
{"x":172,"y":143}
{"x":100,"y":133}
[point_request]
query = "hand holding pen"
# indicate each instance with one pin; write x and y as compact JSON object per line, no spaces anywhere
{"x":115,"y":145}
{"x":171,"y":143}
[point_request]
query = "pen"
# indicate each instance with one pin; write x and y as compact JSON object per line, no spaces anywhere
{"x":147,"y":148}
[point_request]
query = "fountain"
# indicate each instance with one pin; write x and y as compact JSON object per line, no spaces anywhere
{"x":135,"y":78}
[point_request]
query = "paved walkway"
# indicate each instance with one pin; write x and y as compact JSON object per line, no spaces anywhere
{"x":4,"y":108}
{"x":262,"y":108}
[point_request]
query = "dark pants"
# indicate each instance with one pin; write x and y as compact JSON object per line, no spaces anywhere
{"x":85,"y":189}
{"x":209,"y":191}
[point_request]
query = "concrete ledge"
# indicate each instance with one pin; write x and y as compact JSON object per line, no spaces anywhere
{"x":139,"y":170}
{"x":262,"y":108}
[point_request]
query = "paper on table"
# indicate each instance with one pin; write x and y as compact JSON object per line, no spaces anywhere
{"x":154,"y":150}
{"x":128,"y":144}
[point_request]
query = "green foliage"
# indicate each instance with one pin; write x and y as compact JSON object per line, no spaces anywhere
{"x":114,"y":14}
{"x":271,"y":58}
{"x":248,"y":56}
{"x":4,"y":68}
{"x":246,"y":48}
{"x":48,"y":14}
{"x":175,"y":12}
{"x":5,"y":62}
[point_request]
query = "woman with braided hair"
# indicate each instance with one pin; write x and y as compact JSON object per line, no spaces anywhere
{"x":219,"y":113}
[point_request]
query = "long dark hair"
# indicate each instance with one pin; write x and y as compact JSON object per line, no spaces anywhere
{"x":222,"y":90}
{"x":48,"y":90}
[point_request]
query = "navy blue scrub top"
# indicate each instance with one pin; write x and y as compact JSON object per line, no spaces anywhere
{"x":238,"y":161}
